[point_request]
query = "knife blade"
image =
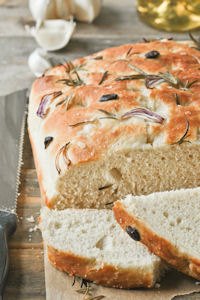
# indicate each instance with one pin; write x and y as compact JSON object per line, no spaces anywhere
{"x":13,"y":109}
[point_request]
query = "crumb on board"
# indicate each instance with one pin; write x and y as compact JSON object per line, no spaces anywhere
{"x":30,"y":219}
{"x":33,"y":229}
{"x":157,"y":285}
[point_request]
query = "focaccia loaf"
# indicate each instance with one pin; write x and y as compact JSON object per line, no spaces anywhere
{"x":124,"y":120}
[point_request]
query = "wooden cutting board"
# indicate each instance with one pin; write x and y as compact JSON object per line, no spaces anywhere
{"x":59,"y":287}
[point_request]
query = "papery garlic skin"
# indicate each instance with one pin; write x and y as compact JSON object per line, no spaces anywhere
{"x":38,"y":62}
{"x":86,"y":10}
{"x":53,"y":34}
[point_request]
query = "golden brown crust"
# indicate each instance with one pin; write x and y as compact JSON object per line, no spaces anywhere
{"x":179,"y":59}
{"x":105,"y":275}
{"x":158,"y":245}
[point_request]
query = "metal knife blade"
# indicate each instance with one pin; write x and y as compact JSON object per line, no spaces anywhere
{"x":12,"y":127}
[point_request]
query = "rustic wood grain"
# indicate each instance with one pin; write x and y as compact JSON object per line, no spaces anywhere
{"x":117,"y":24}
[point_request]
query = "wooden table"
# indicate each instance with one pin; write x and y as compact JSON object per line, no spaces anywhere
{"x":117,"y":24}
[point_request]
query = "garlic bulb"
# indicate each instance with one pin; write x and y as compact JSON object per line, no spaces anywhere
{"x":53,"y":34}
{"x":82,"y":10}
{"x":86,"y":10}
{"x":64,"y":9}
{"x":38,"y":62}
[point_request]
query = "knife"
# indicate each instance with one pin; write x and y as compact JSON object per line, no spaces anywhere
{"x":12,"y":127}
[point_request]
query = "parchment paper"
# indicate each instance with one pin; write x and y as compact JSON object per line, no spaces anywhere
{"x":59,"y":287}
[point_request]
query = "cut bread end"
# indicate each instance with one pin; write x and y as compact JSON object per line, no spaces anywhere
{"x":90,"y":244}
{"x":168,"y":224}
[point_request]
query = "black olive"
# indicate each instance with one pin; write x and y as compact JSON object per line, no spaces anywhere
{"x":134,"y":234}
{"x":108,"y":97}
{"x":47,"y":141}
{"x":152,"y":54}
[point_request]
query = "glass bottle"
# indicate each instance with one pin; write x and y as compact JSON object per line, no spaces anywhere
{"x":170,"y":15}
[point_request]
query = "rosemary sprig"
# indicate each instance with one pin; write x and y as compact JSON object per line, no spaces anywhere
{"x":104,"y":77}
{"x":71,"y":68}
{"x":140,"y":112}
{"x":154,"y":79}
{"x":196,"y":41}
{"x":66,"y":101}
{"x":72,"y":81}
{"x":63,"y":152}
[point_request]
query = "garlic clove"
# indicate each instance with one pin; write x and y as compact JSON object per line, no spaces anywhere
{"x":42,"y":9}
{"x":86,"y":10}
{"x":64,"y":9}
{"x":38,"y":62}
{"x":53,"y":34}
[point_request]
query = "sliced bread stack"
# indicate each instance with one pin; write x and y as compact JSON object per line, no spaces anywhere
{"x":90,"y":244}
{"x":168,"y":223}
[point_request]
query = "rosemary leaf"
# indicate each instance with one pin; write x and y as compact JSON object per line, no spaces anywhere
{"x":129,"y":52}
{"x":107,"y":113}
{"x":94,"y":121}
{"x":130,"y":77}
{"x":105,"y":187}
{"x":197,"y":42}
{"x":98,"y":58}
{"x":109,"y":203}
{"x":190,"y":84}
{"x":104,"y":77}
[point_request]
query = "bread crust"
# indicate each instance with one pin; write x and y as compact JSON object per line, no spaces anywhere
{"x":106,"y":275}
{"x":157,"y":244}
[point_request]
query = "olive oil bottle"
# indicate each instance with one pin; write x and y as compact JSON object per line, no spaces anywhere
{"x":170,"y":15}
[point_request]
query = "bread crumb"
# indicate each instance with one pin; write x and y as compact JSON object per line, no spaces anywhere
{"x":30,"y":219}
{"x":157,"y":285}
{"x":33,"y":229}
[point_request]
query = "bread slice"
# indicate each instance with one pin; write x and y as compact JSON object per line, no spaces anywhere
{"x":168,"y":223}
{"x":106,"y":125}
{"x":90,"y":244}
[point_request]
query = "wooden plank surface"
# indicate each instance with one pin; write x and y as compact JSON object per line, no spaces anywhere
{"x":118,"y":23}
